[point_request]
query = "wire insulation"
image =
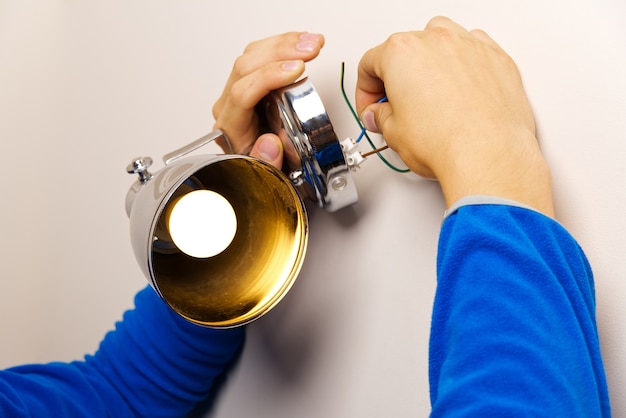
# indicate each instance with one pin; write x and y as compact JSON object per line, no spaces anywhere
{"x":363,"y":130}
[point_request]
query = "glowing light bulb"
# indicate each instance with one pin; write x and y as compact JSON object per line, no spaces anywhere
{"x":202,"y":223}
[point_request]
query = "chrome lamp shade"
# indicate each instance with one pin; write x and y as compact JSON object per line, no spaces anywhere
{"x":262,"y":257}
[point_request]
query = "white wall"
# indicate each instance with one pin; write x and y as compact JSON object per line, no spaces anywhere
{"x":87,"y":85}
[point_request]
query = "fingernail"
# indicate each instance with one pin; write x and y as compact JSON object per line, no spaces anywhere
{"x":268,"y":150}
{"x":291,"y":65}
{"x":306,"y":46}
{"x":369,"y":122}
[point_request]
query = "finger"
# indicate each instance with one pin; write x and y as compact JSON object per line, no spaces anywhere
{"x":303,"y":46}
{"x":249,"y":90}
{"x":236,"y":115}
{"x":369,"y":86}
{"x":375,"y":117}
{"x":265,"y":65}
{"x":269,"y":149}
{"x":292,"y":45}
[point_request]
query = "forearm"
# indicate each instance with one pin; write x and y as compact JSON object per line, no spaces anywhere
{"x":154,"y":364}
{"x":514,"y":319}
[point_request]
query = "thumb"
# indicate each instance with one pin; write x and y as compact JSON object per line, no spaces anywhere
{"x":268,"y":148}
{"x":374,"y":117}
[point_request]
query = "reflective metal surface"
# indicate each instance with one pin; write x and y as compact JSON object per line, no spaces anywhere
{"x":254,"y":272}
{"x":198,"y":143}
{"x":314,"y":159}
{"x":264,"y":258}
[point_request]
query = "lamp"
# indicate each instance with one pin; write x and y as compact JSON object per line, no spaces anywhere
{"x":222,"y":237}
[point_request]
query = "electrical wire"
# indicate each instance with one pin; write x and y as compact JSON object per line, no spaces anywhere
{"x":376,"y":151}
{"x":363,"y":130}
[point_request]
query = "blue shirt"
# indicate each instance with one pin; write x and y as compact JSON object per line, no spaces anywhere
{"x":154,"y":364}
{"x":514,"y":329}
{"x":513,"y":334}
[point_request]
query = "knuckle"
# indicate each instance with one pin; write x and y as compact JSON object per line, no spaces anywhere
{"x":438,"y":21}
{"x":234,"y":97}
{"x":240,"y":67}
{"x":399,"y":39}
{"x":216,"y":110}
{"x":251,"y":46}
{"x":398,"y":43}
{"x":237,"y":92}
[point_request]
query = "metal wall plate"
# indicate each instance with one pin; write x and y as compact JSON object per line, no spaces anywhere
{"x":314,"y":159}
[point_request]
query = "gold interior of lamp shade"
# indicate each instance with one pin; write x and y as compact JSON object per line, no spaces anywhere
{"x":260,"y":265}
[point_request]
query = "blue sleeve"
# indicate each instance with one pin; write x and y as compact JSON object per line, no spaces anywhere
{"x":154,"y":364}
{"x":513,"y":329}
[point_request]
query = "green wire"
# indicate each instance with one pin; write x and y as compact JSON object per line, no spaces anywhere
{"x":358,"y":121}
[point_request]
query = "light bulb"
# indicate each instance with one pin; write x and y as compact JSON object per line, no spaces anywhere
{"x":202,"y":223}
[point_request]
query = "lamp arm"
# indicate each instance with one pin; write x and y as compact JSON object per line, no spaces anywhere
{"x":198,"y":143}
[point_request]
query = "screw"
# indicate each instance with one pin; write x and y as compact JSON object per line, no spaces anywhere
{"x":296,"y":177}
{"x":140,"y":167}
{"x":339,"y":183}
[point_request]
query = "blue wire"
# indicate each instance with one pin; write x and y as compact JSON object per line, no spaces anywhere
{"x":356,"y":118}
{"x":361,"y":135}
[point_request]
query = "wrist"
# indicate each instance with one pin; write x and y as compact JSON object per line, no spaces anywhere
{"x":521,"y":174}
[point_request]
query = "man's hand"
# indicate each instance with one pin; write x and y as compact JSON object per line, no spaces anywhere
{"x":457,"y":112}
{"x":264,"y":66}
